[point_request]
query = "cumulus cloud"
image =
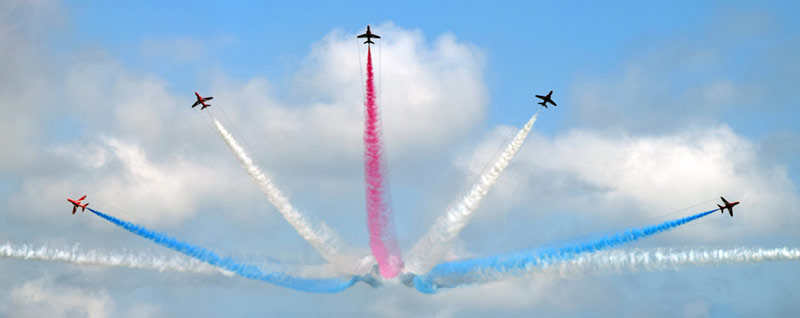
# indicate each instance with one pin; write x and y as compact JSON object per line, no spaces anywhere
{"x":627,"y":179}
{"x":142,"y":146}
{"x":436,"y":95}
{"x":25,"y":78}
{"x":537,"y":294}
{"x":121,"y":174}
{"x":44,"y":298}
{"x":38,"y":299}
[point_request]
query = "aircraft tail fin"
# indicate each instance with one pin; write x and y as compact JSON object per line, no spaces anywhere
{"x":721,"y":210}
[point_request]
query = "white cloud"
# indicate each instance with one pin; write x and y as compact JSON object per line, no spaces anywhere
{"x":25,"y":77}
{"x":532,"y":295}
{"x":137,"y":144}
{"x":37,"y":299}
{"x":430,"y":97}
{"x":122,"y":174}
{"x":43,"y":298}
{"x":632,"y":177}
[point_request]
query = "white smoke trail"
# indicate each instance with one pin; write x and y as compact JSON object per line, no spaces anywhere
{"x":75,"y":255}
{"x":107,"y":259}
{"x":431,"y":247}
{"x":322,"y":238}
{"x":617,"y":261}
{"x":666,"y":259}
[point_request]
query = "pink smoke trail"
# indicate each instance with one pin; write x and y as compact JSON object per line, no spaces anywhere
{"x":382,"y":239}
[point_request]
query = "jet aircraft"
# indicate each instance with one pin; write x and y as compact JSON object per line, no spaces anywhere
{"x":77,"y":204}
{"x":728,"y":206}
{"x":201,"y":100}
{"x":546,"y":99}
{"x":369,"y":35}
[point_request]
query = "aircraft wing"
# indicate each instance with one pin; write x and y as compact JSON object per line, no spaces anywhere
{"x":540,"y":96}
{"x":376,"y":36}
{"x":74,"y":208}
{"x":725,"y":201}
{"x":195,"y":104}
{"x":552,"y":102}
{"x":83,"y":197}
{"x":208,"y":98}
{"x":363,"y":35}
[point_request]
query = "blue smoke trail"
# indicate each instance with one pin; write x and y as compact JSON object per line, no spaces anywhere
{"x":321,"y":285}
{"x":472,"y":271}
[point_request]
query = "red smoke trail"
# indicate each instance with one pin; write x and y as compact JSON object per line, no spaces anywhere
{"x":382,"y":239}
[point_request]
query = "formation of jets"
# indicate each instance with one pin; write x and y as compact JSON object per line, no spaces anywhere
{"x":369,"y":36}
{"x":77,"y":204}
{"x":201,"y":101}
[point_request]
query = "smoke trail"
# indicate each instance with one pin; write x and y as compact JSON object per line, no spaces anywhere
{"x":481,"y":270}
{"x":106,"y":259}
{"x":665,"y":259}
{"x":430,"y":248}
{"x":382,"y":239}
{"x":147,"y":262}
{"x":322,"y":238}
{"x":329,"y":285}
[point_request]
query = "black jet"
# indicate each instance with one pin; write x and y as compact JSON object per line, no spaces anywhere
{"x":546,"y":99}
{"x":728,"y":206}
{"x":369,"y":35}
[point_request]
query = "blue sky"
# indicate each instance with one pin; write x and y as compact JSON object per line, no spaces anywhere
{"x":662,"y":105}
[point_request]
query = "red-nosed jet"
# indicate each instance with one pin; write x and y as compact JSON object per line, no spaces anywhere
{"x":546,"y":99}
{"x":369,"y":35}
{"x":77,"y":204}
{"x":728,"y":206}
{"x":201,"y":101}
